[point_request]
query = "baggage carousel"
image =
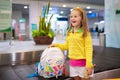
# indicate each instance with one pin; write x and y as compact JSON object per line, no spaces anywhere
{"x":18,"y":60}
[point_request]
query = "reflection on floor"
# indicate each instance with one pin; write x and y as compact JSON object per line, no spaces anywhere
{"x":20,"y":72}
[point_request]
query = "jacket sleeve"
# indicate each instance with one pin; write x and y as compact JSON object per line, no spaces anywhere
{"x":63,"y":46}
{"x":89,"y":51}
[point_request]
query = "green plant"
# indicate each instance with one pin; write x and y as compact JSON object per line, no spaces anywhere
{"x":44,"y":25}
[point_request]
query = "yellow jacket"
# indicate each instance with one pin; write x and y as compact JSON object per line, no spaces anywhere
{"x":78,"y":47}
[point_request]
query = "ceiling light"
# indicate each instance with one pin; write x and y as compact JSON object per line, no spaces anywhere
{"x":88,"y":7}
{"x":64,"y":5}
{"x":89,"y":11}
{"x":25,"y":7}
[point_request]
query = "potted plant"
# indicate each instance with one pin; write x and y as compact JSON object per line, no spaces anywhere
{"x":44,"y":34}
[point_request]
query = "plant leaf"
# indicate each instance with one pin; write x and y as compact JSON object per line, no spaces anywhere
{"x":44,"y":24}
{"x":50,"y":17}
{"x":48,"y":8}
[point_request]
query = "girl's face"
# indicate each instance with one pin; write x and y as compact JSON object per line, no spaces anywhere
{"x":75,"y":18}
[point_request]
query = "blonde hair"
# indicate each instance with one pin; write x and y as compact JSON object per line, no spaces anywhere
{"x":84,"y":25}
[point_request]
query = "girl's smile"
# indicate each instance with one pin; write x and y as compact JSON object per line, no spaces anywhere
{"x":75,"y":18}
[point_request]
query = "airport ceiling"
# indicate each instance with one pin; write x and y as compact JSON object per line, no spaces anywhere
{"x":96,"y":2}
{"x":19,"y":7}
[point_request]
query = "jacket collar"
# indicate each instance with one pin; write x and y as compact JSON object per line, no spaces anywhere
{"x":79,"y":30}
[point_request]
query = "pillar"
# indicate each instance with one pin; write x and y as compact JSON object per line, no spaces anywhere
{"x":112,"y":23}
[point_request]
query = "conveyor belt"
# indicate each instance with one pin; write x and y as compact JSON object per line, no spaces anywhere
{"x":20,"y":57}
{"x":106,"y":58}
{"x":23,"y":63}
{"x":20,"y":72}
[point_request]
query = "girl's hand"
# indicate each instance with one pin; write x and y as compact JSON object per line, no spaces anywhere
{"x":52,"y":45}
{"x":90,"y":70}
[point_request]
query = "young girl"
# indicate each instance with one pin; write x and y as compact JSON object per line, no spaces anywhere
{"x":79,"y":45}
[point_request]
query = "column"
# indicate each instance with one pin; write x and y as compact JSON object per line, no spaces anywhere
{"x":112,"y":23}
{"x":35,"y":10}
